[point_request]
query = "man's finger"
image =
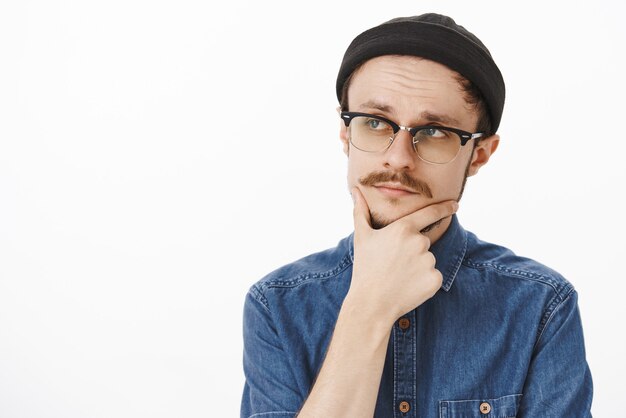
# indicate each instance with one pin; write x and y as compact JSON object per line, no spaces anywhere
{"x":361,"y":211}
{"x":428,"y":215}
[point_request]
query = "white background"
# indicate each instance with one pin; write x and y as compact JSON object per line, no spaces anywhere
{"x":158,"y":157}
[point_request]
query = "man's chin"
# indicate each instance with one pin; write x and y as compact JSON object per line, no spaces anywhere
{"x":380,"y":221}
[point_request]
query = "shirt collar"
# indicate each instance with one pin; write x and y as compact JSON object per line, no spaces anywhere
{"x":449,"y":251}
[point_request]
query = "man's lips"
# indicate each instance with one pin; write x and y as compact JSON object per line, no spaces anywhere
{"x":398,"y":184}
{"x":394,"y":189}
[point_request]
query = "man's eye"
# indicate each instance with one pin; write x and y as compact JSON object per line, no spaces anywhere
{"x":433,"y":133}
{"x":376,"y":124}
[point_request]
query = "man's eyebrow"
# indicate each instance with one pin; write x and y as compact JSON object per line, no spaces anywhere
{"x":371,"y":104}
{"x":434,"y":117}
{"x":425,"y":116}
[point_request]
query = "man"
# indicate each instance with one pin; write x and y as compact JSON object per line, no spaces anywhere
{"x":412,"y":316}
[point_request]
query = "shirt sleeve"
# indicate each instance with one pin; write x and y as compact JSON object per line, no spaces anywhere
{"x":559,"y":383}
{"x":270,"y":389}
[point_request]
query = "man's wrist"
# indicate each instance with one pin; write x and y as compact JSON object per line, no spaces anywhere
{"x":368,"y":314}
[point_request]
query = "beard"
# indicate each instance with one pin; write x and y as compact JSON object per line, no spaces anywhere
{"x":379,"y":221}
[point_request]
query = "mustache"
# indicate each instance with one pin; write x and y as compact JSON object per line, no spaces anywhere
{"x":372,"y":179}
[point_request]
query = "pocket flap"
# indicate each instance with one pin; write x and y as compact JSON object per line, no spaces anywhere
{"x":503,"y":407}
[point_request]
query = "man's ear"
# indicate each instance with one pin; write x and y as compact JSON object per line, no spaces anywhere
{"x":343,"y":134}
{"x":482,"y":152}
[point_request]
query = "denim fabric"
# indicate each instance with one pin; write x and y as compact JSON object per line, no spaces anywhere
{"x":501,"y":338}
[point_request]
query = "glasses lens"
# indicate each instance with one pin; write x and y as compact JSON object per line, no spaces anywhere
{"x":436,"y":145}
{"x":368,"y":133}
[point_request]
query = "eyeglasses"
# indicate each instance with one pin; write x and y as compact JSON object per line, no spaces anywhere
{"x":433,"y":144}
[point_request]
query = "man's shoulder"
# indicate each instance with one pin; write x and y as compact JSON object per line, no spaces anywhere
{"x":317,"y":266}
{"x":506,"y":264}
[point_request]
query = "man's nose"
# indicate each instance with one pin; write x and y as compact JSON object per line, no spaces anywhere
{"x":401,"y":155}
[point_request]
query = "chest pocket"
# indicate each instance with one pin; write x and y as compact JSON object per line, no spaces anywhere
{"x":504,"y":407}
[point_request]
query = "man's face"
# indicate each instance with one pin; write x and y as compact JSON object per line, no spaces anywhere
{"x":410,"y":91}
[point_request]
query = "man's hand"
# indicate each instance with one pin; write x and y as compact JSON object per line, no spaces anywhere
{"x":394,"y":271}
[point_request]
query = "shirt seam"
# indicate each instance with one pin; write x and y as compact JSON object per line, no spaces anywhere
{"x":259,"y":414}
{"x":450,"y":274}
{"x":556,"y":302}
{"x":482,"y":399}
{"x":280,"y":341}
{"x":303,"y":277}
{"x":258,"y":295}
{"x":258,"y":289}
{"x":556,"y":285}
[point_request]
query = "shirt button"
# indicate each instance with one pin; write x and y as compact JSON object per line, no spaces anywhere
{"x":485,"y":408}
{"x":404,"y":407}
{"x":404,"y":323}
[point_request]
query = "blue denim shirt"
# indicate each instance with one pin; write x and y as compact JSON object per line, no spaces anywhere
{"x":501,"y":338}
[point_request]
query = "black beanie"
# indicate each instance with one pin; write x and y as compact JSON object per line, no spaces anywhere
{"x":437,"y":38}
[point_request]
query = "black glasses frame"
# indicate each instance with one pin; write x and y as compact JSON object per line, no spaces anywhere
{"x":463,"y":135}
